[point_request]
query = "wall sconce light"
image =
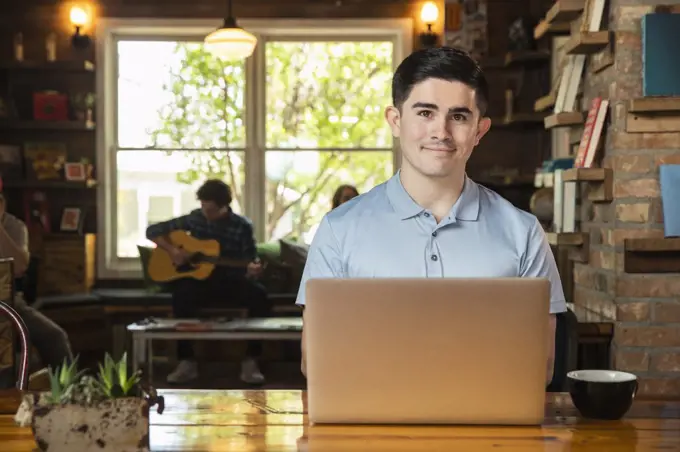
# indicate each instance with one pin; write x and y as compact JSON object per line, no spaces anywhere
{"x":79,"y":19}
{"x":429,"y":14}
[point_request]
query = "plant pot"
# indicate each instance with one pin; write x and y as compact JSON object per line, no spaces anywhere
{"x":120,"y":425}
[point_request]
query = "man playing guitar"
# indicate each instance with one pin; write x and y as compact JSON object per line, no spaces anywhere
{"x":215,"y":220}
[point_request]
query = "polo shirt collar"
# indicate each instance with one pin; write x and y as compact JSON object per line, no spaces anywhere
{"x":465,"y":209}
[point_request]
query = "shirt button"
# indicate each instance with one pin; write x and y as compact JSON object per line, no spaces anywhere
{"x":433,"y":257}
{"x":426,"y":214}
{"x":434,"y":234}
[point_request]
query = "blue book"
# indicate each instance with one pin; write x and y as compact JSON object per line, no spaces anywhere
{"x":660,"y":56}
{"x":669,"y":180}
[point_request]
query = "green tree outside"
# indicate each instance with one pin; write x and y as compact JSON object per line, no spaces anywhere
{"x":324,"y":103}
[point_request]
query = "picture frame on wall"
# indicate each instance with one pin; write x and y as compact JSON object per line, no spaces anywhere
{"x":71,"y":220}
{"x":75,"y":172}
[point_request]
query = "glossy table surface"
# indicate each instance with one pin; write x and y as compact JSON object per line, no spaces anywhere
{"x":272,"y":420}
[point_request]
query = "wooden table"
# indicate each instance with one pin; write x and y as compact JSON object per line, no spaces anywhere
{"x":274,"y":421}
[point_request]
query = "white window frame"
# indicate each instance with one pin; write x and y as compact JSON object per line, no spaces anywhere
{"x":109,"y":30}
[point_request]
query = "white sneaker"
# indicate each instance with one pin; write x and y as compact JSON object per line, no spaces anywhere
{"x":185,"y":371}
{"x":250,"y":372}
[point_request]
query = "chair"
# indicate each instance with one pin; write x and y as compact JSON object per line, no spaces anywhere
{"x":566,"y":350}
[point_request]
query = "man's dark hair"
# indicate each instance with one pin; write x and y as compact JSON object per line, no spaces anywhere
{"x":216,"y":191}
{"x":445,"y":63}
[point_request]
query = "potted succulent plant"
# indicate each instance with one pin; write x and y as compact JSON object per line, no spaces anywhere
{"x":108,"y":411}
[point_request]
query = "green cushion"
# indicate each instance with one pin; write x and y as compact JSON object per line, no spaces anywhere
{"x":149,"y":284}
{"x":269,"y":251}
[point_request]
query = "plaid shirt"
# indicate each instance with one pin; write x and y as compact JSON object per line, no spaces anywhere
{"x":233,"y":232}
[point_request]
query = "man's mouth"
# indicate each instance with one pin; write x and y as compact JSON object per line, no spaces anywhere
{"x":438,"y":149}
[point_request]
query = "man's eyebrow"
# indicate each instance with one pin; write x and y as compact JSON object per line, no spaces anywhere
{"x":452,"y":110}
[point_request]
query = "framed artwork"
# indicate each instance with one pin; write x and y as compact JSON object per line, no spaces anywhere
{"x":71,"y":219}
{"x":74,"y":171}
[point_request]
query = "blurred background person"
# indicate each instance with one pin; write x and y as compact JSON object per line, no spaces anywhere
{"x":343,"y":194}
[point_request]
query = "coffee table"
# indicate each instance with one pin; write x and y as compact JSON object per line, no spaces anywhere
{"x":146,"y":331}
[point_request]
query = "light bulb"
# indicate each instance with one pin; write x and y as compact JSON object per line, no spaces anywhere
{"x":78,"y":16}
{"x":429,"y":13}
{"x":230,"y":43}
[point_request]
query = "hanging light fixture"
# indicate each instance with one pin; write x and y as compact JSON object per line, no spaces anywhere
{"x":230,"y":42}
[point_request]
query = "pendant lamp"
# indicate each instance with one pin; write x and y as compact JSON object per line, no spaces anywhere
{"x":230,"y":42}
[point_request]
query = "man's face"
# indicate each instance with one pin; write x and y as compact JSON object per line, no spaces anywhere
{"x":438,"y":127}
{"x":211,"y":211}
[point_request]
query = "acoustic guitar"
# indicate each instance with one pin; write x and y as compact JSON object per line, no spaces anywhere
{"x":205,"y":256}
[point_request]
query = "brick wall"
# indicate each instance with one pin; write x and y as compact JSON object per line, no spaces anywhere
{"x":646,"y":307}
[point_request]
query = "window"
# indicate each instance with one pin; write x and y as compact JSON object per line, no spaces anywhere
{"x":284,"y":129}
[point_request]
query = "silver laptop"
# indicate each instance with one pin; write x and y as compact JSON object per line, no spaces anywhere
{"x":427,"y":351}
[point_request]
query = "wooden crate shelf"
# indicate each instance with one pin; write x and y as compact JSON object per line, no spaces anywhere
{"x":564,"y":119}
{"x":653,"y":114}
{"x":599,"y":181}
{"x":587,"y":43}
{"x":651,"y":255}
{"x":558,"y":18}
{"x":576,"y":242}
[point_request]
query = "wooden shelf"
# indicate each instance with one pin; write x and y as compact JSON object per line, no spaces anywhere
{"x":653,"y":114}
{"x":599,"y":180}
{"x":577,"y":242}
{"x":545,"y":102}
{"x":558,"y":18}
{"x":519,"y":181}
{"x":49,"y":184}
{"x":651,"y":255}
{"x":46,"y":125}
{"x":545,"y":28}
{"x":564,"y":119}
{"x":565,"y":11}
{"x":64,"y":66}
{"x":587,"y":43}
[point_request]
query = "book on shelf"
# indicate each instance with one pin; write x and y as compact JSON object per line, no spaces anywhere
{"x":592,"y":133}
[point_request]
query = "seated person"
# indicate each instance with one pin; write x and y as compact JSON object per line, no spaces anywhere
{"x":47,"y":337}
{"x":343,"y":194}
{"x":430,"y":219}
{"x":233,"y":286}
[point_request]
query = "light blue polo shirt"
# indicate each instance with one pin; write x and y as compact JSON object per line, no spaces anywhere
{"x":384,"y":234}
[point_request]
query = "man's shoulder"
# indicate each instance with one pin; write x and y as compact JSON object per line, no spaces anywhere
{"x":359,"y":206}
{"x":15,"y":227}
{"x":241,"y":220}
{"x":10,"y":220}
{"x":501,"y":211}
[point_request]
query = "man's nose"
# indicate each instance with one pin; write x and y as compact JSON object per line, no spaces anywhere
{"x":441,"y":129}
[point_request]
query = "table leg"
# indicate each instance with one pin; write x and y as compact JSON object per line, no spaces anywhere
{"x":149,"y":359}
{"x":138,"y":350}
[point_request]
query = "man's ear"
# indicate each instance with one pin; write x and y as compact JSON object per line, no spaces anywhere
{"x":392,"y":116}
{"x":483,"y":127}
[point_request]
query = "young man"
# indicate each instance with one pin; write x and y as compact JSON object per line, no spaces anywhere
{"x":430,"y":219}
{"x":49,"y":339}
{"x":215,"y":221}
